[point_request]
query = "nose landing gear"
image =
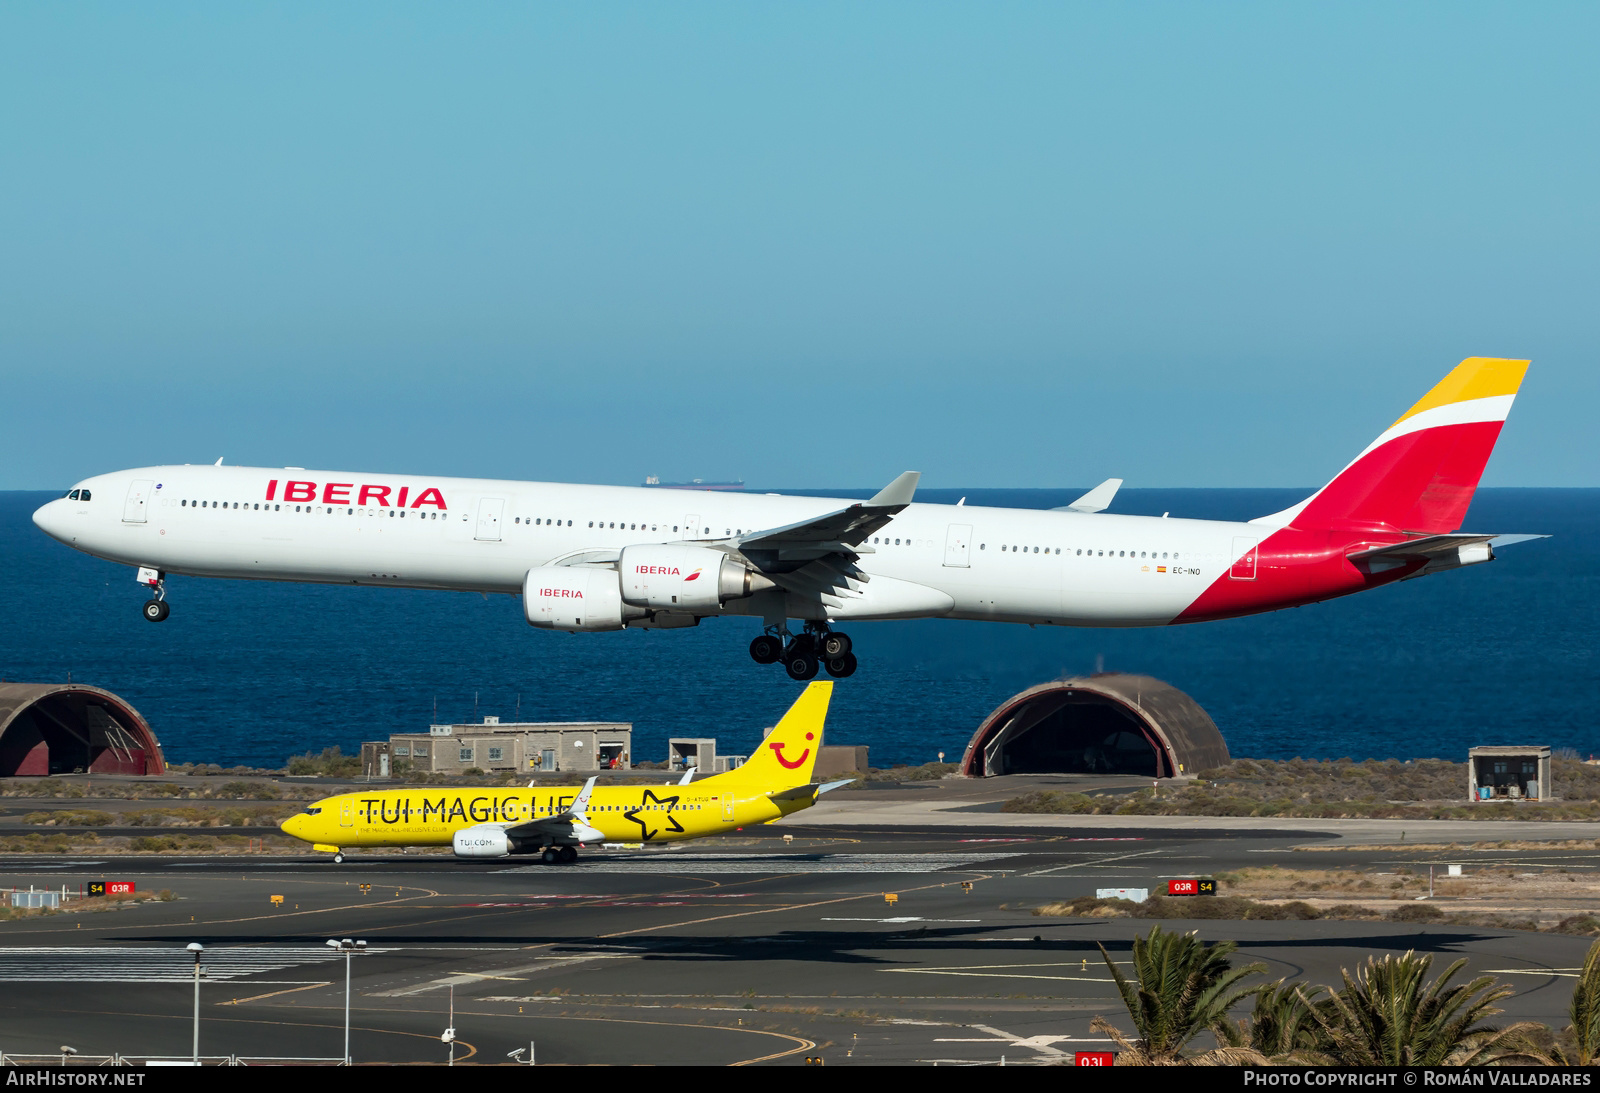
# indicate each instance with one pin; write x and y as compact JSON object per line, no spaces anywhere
{"x":156,"y":608}
{"x":805,"y":654}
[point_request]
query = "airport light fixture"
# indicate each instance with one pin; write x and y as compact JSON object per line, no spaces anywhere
{"x":349,"y":948}
{"x":196,"y":948}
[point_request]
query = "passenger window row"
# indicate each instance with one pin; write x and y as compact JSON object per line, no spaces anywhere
{"x":623,"y":525}
{"x":1091,"y":552}
{"x":402,"y":513}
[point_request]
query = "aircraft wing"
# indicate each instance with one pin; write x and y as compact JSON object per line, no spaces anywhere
{"x":571,"y":824}
{"x":817,"y":557}
{"x":840,"y":531}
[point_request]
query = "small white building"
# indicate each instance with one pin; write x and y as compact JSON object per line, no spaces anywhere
{"x":1509,"y":773}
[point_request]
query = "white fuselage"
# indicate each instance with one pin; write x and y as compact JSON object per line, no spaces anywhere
{"x":967,"y":562}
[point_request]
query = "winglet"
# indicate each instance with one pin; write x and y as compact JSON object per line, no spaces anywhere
{"x":899,"y":492}
{"x":688,"y":776}
{"x":579,"y":809}
{"x":1097,"y":499}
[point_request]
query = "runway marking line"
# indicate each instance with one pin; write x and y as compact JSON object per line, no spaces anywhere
{"x":770,"y":910}
{"x":802,"y":1044}
{"x":1097,"y":861}
{"x":274,"y":994}
{"x":471,"y":1050}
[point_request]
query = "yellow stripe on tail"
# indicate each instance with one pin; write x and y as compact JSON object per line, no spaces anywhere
{"x":786,"y":757}
{"x":1473,"y":378}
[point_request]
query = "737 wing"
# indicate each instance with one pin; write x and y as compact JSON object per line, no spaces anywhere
{"x":571,"y":825}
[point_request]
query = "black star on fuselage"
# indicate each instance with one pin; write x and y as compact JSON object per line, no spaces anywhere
{"x":646,"y":831}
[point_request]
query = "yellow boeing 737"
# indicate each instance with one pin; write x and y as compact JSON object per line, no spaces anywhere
{"x":555,"y":821}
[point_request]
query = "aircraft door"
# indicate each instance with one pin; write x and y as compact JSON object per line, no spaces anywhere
{"x":691,"y":527}
{"x":491,"y":511}
{"x":1244,"y":552}
{"x":133,"y":510}
{"x":347,"y":813}
{"x":958,"y":546}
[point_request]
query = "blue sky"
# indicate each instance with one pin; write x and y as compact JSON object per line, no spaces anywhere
{"x":804,"y":245}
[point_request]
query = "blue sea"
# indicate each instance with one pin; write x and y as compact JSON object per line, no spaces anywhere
{"x":253,"y":672}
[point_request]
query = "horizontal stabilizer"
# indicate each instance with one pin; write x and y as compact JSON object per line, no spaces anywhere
{"x":1436,"y":552}
{"x":815,"y":789}
{"x":1432,"y":546}
{"x":1096,"y":500}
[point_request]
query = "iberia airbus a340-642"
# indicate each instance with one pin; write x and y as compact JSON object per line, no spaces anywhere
{"x":554,"y":822}
{"x":607,"y":558}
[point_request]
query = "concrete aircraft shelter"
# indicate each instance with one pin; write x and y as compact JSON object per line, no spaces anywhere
{"x":68,"y":728}
{"x":1112,"y":723}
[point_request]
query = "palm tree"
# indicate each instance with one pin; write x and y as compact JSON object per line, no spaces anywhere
{"x":1183,"y":987}
{"x":1280,"y":1027}
{"x":1585,"y":1014}
{"x":1388,"y":1016}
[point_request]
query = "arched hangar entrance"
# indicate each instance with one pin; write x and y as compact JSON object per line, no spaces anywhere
{"x":52,"y":728}
{"x":1106,"y":724}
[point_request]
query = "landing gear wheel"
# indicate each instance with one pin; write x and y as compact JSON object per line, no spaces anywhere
{"x":835,"y":646}
{"x":338,"y":859}
{"x":567,"y":855}
{"x":550,"y":855}
{"x":839,"y":667}
{"x":802,"y":665}
{"x":156,"y":610}
{"x":766,"y":649}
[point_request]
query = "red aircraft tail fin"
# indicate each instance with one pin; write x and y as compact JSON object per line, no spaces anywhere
{"x":1419,"y":476}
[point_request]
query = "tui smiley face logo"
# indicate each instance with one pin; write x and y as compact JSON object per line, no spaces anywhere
{"x":790,"y":764}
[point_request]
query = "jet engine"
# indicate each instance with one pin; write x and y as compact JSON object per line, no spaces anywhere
{"x":560,"y":597}
{"x":482,"y":841}
{"x":684,"y":578}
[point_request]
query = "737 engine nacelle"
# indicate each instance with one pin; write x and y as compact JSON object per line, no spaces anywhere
{"x":684,"y":578}
{"x":483,"y":841}
{"x":560,"y":597}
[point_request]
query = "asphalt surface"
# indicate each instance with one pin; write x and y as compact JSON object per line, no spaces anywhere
{"x":746,"y":949}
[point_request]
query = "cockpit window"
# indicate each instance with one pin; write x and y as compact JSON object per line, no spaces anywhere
{"x":83,"y":495}
{"x":313,"y":810}
{"x":73,"y":496}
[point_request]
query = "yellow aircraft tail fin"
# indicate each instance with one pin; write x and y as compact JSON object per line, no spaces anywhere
{"x":788,"y":754}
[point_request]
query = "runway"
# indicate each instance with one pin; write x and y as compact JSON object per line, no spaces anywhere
{"x":743,"y":950}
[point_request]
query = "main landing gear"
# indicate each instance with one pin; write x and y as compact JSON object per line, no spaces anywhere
{"x":559,"y":855}
{"x":156,"y":609}
{"x":806,"y":653}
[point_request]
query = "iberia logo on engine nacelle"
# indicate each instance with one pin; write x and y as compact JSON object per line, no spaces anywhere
{"x":338,"y":493}
{"x":691,"y":576}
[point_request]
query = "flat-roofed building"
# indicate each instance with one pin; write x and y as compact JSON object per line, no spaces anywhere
{"x":497,"y":747}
